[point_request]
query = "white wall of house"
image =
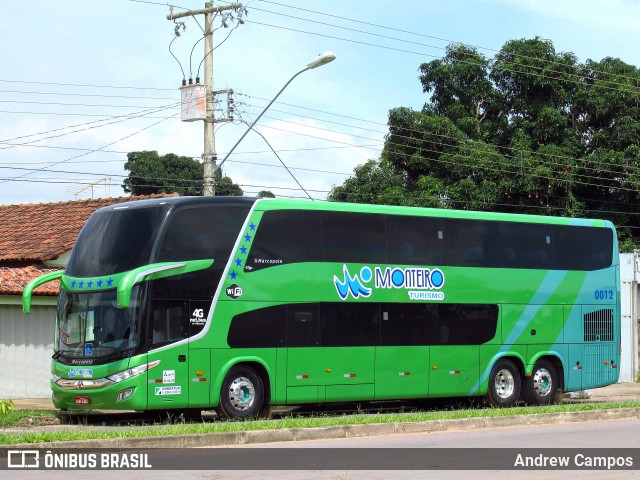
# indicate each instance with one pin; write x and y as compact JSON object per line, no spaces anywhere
{"x":26,"y":346}
{"x":629,"y":277}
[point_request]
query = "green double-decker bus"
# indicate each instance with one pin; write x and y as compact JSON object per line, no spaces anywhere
{"x":238,"y":304}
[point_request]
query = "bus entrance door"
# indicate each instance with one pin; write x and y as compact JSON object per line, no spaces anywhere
{"x":168,"y":386}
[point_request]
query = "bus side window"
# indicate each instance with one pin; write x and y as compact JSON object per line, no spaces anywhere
{"x":169,"y":321}
{"x":260,"y":328}
{"x":583,"y":248}
{"x":354,"y":237}
{"x":350,"y":324}
{"x":286,"y":236}
{"x":415,"y":240}
{"x":409,"y":324}
{"x":473,"y":243}
{"x":526,"y":245}
{"x":303,"y":325}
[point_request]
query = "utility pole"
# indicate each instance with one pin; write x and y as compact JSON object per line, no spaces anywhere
{"x":209,"y":156}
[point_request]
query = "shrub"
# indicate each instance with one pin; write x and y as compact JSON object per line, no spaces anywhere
{"x":6,"y":406}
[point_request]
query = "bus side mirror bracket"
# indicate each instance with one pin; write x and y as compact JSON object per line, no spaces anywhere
{"x":35,"y":283}
{"x":155,"y":271}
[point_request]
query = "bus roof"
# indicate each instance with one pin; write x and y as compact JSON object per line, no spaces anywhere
{"x":291,"y":204}
{"x":263,"y":204}
{"x":180,"y":201}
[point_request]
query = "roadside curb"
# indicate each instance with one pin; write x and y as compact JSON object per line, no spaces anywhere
{"x":219,"y":439}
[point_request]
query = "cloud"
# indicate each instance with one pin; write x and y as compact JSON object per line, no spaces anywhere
{"x":613,"y":15}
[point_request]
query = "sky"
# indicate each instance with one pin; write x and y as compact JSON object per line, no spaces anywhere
{"x":84,"y":82}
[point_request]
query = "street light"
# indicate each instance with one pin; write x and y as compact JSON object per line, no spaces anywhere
{"x":320,"y":60}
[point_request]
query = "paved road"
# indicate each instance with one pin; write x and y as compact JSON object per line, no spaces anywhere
{"x":506,"y":443}
{"x":623,"y":433}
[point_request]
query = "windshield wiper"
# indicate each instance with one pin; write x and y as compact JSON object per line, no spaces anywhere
{"x":57,"y":354}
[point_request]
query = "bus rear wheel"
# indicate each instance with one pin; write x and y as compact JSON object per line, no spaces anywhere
{"x":242,"y":394}
{"x":504,"y":384}
{"x":541,"y":387}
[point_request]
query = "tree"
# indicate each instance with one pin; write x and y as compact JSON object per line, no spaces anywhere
{"x":529,"y":131}
{"x":225,"y":186}
{"x":150,"y":173}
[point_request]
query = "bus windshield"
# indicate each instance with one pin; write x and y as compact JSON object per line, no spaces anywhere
{"x":115,"y":241}
{"x":90,"y":325}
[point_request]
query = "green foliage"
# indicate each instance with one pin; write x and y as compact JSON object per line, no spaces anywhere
{"x":225,"y":186}
{"x":150,"y":173}
{"x":375,"y":182}
{"x":628,"y":244}
{"x":6,"y":407}
{"x":530,"y":130}
{"x":265,"y":194}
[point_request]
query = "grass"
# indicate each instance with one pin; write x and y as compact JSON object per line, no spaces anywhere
{"x":28,"y":418}
{"x":326,"y":420}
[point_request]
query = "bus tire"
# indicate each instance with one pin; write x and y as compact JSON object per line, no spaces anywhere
{"x":504,"y":384}
{"x":242,"y":394}
{"x":541,"y":387}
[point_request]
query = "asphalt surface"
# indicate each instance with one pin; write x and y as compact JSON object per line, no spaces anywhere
{"x":614,"y":393}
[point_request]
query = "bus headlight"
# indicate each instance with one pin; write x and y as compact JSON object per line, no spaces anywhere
{"x":132,"y":372}
{"x":54,"y":377}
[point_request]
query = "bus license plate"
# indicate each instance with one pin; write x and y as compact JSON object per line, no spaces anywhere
{"x":82,"y":400}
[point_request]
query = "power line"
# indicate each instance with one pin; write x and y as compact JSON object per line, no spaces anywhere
{"x":4,"y":80}
{"x":400,"y":136}
{"x":119,"y":120}
{"x":449,"y":41}
{"x":433,"y":134}
{"x":524,"y":72}
{"x":326,"y":191}
{"x":61,"y":114}
{"x":86,"y":95}
{"x":278,"y":156}
{"x":458,"y":156}
{"x":255,"y":152}
{"x":99,"y":148}
{"x":75,"y":104}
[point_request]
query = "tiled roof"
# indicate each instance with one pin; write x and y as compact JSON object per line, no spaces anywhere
{"x":38,"y":232}
{"x":31,"y":234}
{"x":13,"y":280}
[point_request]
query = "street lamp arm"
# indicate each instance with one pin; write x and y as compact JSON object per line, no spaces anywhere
{"x":259,"y":116}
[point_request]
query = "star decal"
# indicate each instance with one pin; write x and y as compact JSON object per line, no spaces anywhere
{"x":243,"y":249}
{"x":247,"y":237}
{"x":234,"y":275}
{"x":81,"y":284}
{"x":109,"y":282}
{"x":73,"y":284}
{"x":99,"y":283}
{"x":252,"y":226}
{"x":89,"y":283}
{"x":238,"y":262}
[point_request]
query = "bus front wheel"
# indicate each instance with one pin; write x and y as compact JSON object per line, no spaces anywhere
{"x":504,"y":384}
{"x":242,"y":394}
{"x":541,"y":387}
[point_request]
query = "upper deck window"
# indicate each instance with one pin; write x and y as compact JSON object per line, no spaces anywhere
{"x":286,"y":236}
{"x":293,"y":236}
{"x":354,"y":237}
{"x":583,"y":248}
{"x":115,"y":241}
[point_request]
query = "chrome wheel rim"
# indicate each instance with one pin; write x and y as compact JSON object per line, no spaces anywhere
{"x":504,"y":384}
{"x":242,"y":393}
{"x":542,"y":382}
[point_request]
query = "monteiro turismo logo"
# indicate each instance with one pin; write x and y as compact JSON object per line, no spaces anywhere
{"x":419,"y":282}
